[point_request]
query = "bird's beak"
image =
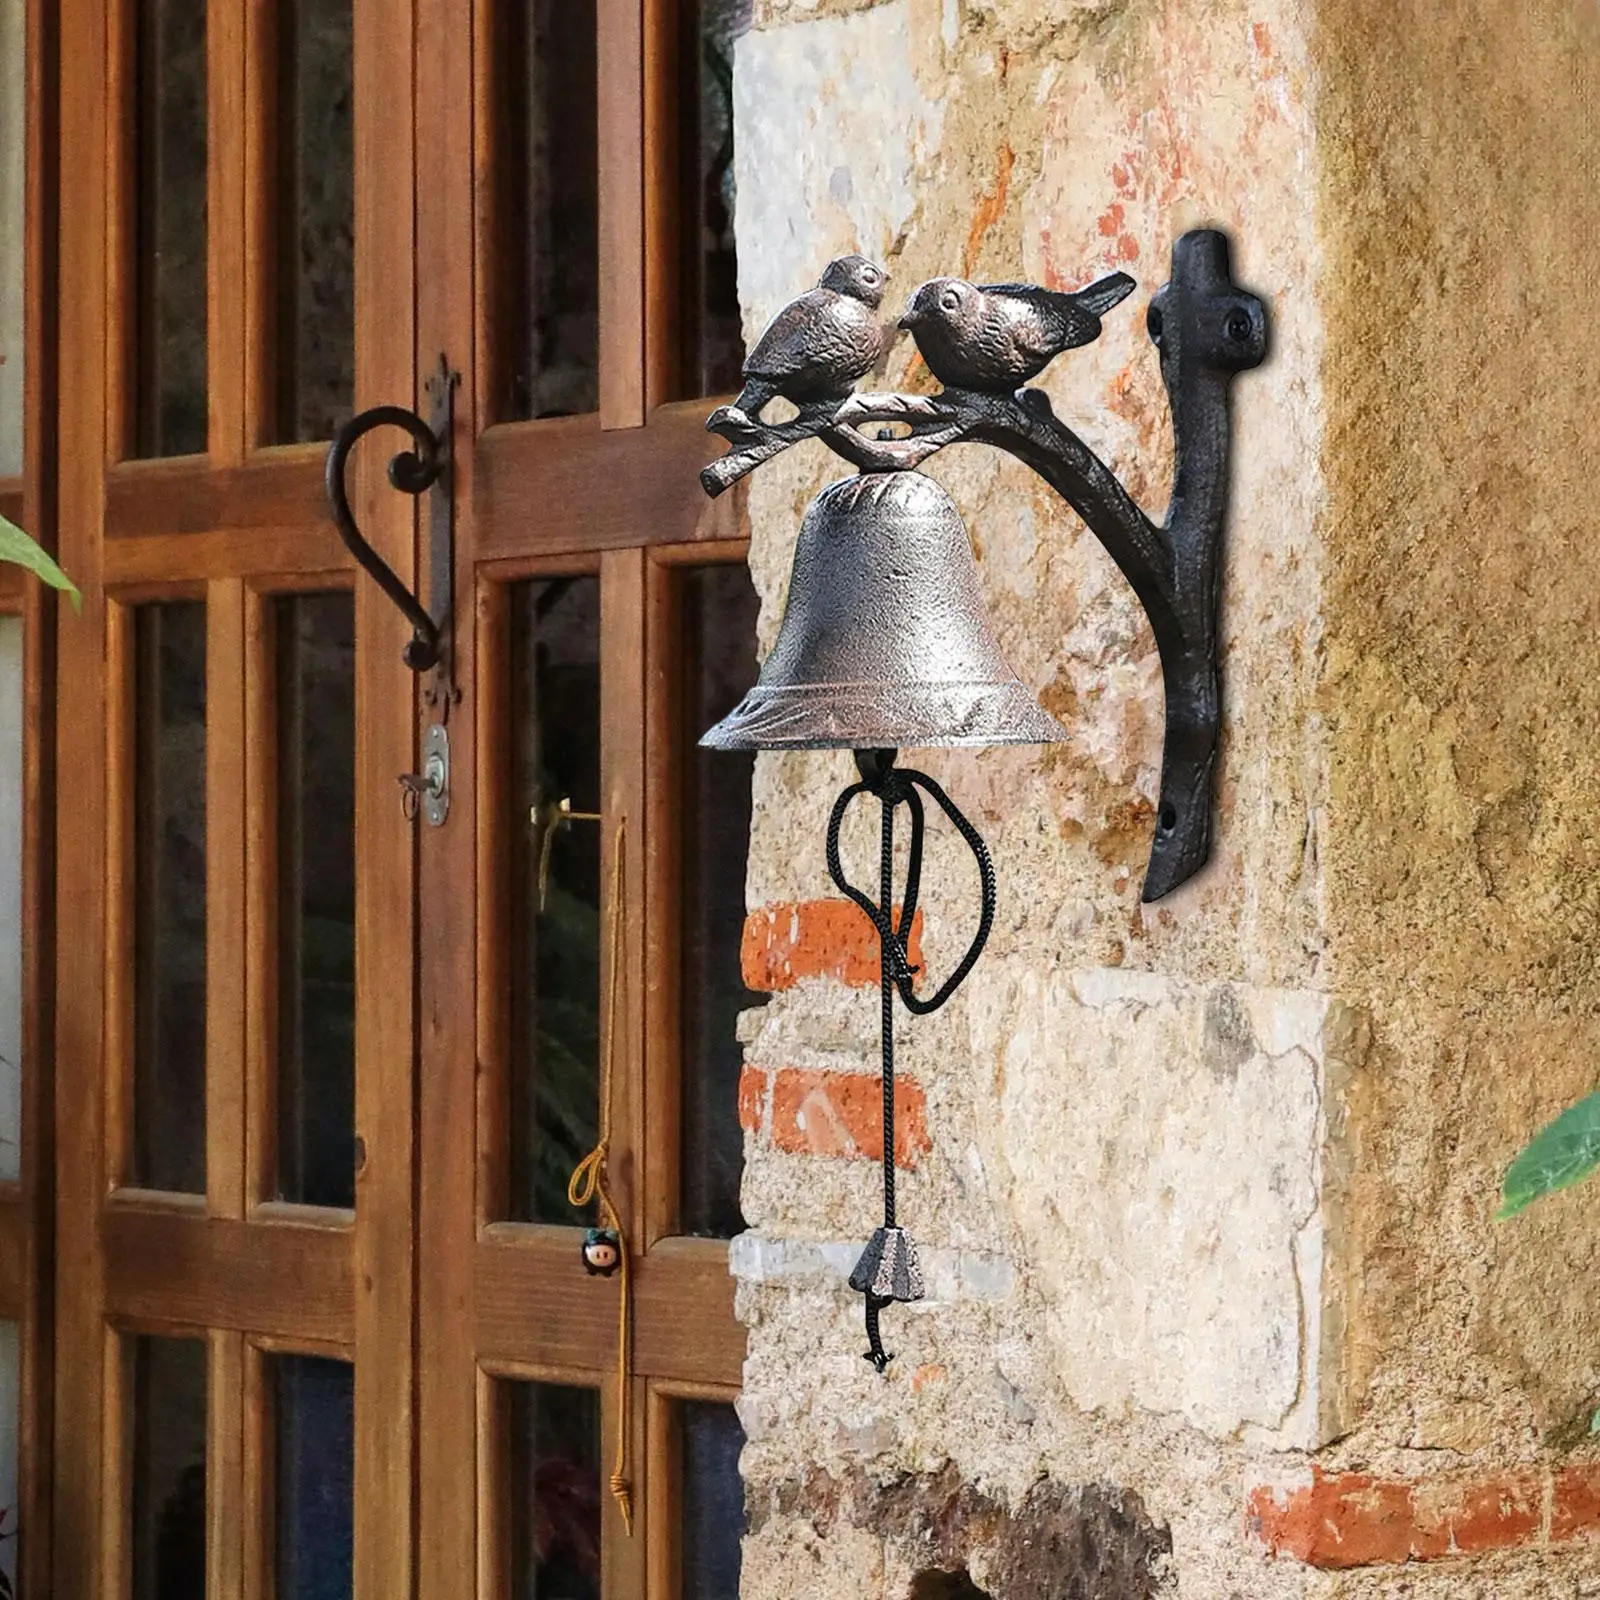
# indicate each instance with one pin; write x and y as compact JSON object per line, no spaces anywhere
{"x":910,"y":319}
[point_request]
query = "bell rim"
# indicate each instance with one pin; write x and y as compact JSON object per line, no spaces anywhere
{"x":840,"y":716}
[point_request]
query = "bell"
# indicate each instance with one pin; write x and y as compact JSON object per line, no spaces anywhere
{"x":885,"y":643}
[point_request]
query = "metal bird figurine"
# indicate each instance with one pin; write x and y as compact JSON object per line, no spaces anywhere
{"x":821,"y":343}
{"x":994,"y":337}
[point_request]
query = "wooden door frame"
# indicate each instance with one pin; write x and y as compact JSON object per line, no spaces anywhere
{"x":628,"y":475}
{"x":239,"y":522}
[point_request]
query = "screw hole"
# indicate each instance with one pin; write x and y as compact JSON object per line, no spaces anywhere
{"x":1238,"y":326}
{"x":1168,"y":819}
{"x":1152,"y":321}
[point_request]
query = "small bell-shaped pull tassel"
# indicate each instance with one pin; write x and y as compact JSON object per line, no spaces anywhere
{"x":888,"y":1268}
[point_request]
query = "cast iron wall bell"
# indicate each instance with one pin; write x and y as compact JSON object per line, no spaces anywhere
{"x":885,"y":643}
{"x":1206,"y":329}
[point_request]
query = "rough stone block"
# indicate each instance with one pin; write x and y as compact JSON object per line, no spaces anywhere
{"x":1159,"y":1145}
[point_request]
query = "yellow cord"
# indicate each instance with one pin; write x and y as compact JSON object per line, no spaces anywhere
{"x":588,"y":1182}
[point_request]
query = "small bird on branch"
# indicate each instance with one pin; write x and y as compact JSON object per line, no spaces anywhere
{"x":994,"y":337}
{"x":816,"y":348}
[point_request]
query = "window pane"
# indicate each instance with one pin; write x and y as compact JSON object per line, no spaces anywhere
{"x":169,"y":1070}
{"x":555,"y":981}
{"x":315,"y":1469}
{"x":546,"y":293}
{"x":713,"y":344}
{"x":718,"y":653}
{"x":170,"y":275}
{"x":555,"y":1483}
{"x":316,"y":219}
{"x":10,"y":1433}
{"x":11,"y":752}
{"x":713,"y":1500}
{"x":169,"y":1469}
{"x":13,"y":211}
{"x":317,"y":899}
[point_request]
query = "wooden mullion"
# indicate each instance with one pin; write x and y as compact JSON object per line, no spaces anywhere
{"x":260,"y":816}
{"x":664,"y":57}
{"x":663,"y":896}
{"x":492,"y":1545}
{"x":623,"y":1554}
{"x":115,"y":1157}
{"x":261,"y":224}
{"x":663,"y":1497}
{"x":227,"y":951}
{"x":494,"y":821}
{"x":109,"y":1545}
{"x":259,"y":1476}
{"x":227,"y":1510}
{"x":117,"y":246}
{"x":620,"y":67}
{"x":623,"y":614}
{"x":227,"y":128}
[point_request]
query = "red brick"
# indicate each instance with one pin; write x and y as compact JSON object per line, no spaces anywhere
{"x":791,"y":940}
{"x":1575,"y":1505}
{"x":754,"y":1082}
{"x":841,"y":1114}
{"x":1352,"y":1520}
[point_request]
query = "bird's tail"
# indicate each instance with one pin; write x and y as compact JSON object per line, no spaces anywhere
{"x":1104,"y":293}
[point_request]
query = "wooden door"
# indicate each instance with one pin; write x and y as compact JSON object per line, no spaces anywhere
{"x":235,"y":1046}
{"x":577,"y":233}
{"x":322,"y":1069}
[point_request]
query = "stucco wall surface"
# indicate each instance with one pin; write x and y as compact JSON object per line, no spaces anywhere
{"x":1205,"y":1190}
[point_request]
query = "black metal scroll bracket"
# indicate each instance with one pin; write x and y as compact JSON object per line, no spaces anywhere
{"x":1206,"y":330}
{"x":423,"y":469}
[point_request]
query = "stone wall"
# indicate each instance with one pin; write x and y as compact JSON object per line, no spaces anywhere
{"x":1204,"y":1189}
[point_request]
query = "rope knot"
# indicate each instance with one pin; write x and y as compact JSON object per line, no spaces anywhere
{"x":589,"y":1175}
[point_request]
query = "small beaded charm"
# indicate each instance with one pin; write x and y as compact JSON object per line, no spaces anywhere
{"x":602,"y":1252}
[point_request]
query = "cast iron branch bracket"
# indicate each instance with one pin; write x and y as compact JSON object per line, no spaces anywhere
{"x":1206,"y":329}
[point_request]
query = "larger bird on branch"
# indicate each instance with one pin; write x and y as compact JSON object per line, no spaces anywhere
{"x":816,"y":348}
{"x":994,"y":337}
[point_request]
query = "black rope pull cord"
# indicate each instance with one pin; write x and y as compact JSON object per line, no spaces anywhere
{"x":889,"y":1269}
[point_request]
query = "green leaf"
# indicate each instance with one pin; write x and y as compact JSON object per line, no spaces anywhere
{"x":17,"y":548}
{"x":1558,"y":1157}
{"x":1594,"y":1423}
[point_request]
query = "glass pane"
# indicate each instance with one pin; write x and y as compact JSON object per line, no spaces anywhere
{"x":546,"y":295}
{"x":315,"y":1470}
{"x":10,"y":1433}
{"x":713,"y":342}
{"x":555,"y":1482}
{"x":713,"y":1500}
{"x":317,"y":899}
{"x":169,"y":1068}
{"x":11,"y":751}
{"x":555,"y":980}
{"x":718,"y":653}
{"x":316,"y":219}
{"x":169,"y":1469}
{"x":13,"y":211}
{"x":170,"y":276}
